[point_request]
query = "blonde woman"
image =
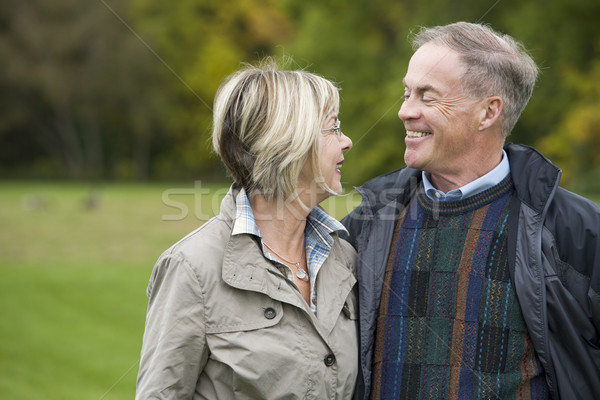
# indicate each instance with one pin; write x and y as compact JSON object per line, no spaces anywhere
{"x":260,"y":302}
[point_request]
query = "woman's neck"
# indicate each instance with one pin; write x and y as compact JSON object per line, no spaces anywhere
{"x":281,"y":224}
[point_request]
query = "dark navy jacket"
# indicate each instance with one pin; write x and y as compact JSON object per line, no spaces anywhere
{"x":554,"y":261}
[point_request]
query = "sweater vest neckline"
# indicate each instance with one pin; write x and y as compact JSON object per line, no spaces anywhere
{"x":464,"y":205}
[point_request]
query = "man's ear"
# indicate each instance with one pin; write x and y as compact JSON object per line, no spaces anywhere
{"x":491,"y":112}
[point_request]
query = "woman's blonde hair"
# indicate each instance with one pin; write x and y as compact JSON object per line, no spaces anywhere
{"x":267,"y":123}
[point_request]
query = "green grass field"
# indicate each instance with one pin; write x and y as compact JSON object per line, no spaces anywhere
{"x":74,"y":264}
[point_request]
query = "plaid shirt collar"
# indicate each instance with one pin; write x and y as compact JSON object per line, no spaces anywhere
{"x":319,"y":224}
{"x":317,"y":236}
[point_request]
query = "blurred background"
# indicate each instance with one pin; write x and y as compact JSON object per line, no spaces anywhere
{"x":105,"y":156}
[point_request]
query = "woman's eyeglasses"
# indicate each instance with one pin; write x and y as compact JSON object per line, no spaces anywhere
{"x":337,"y":129}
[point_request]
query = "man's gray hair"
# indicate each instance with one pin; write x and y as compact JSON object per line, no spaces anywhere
{"x":496,"y":64}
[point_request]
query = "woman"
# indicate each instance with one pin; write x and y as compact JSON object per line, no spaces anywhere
{"x":259,"y":302}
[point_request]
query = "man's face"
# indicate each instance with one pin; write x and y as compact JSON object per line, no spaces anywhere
{"x":440,"y":118}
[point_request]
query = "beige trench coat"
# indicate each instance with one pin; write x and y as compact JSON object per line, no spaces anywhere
{"x":224,"y":323}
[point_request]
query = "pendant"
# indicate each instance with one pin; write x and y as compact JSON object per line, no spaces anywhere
{"x":301,"y":274}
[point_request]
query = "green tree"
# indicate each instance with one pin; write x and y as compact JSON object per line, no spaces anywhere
{"x":574,"y":143}
{"x":79,"y":93}
{"x":111,"y":89}
{"x":367,"y":52}
{"x":562,"y":36}
{"x":200,"y":42}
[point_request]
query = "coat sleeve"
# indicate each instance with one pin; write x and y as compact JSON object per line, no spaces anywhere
{"x":174,"y":349}
{"x":575,"y":222}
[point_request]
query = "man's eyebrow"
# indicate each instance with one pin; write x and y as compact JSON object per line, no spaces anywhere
{"x":422,"y":88}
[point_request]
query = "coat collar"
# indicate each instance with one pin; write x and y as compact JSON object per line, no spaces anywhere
{"x":246,"y":268}
{"x":534,"y":176}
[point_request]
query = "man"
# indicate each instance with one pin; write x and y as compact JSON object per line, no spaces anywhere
{"x":478,"y":276}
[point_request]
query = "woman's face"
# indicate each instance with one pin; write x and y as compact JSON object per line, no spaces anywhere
{"x":331,"y":158}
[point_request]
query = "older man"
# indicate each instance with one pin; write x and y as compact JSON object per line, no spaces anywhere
{"x":479,"y":277}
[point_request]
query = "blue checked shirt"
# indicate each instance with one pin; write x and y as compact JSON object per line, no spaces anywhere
{"x":317,"y":238}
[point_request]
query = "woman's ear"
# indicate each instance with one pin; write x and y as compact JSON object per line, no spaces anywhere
{"x":491,"y":112}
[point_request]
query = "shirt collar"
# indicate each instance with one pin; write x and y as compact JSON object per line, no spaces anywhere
{"x":485,"y":182}
{"x":244,"y":223}
{"x":317,"y":236}
{"x":319,"y":224}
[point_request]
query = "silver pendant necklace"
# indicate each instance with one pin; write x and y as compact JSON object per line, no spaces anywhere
{"x":300,"y":273}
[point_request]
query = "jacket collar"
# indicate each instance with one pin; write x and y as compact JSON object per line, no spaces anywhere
{"x":534,"y":176}
{"x":227,"y":210}
{"x":397,"y":186}
{"x":245,"y":267}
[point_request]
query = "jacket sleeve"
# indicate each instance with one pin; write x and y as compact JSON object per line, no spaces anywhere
{"x":174,"y":347}
{"x":575,"y":222}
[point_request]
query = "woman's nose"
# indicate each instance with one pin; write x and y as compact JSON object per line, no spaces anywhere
{"x":346,"y":142}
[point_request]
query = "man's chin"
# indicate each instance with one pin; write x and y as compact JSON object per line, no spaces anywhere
{"x":411,"y":161}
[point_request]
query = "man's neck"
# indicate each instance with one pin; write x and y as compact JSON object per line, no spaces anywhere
{"x":469,"y":172}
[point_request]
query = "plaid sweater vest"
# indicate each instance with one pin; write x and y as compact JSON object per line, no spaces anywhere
{"x":449,"y":323}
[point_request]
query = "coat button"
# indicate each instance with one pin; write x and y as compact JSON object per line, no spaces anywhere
{"x":270,"y":313}
{"x":329,"y":360}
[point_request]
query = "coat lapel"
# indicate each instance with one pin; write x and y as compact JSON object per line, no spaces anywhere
{"x":245,"y":268}
{"x":334,"y":283}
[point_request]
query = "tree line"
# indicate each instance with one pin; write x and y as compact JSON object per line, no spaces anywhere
{"x":106,"y":90}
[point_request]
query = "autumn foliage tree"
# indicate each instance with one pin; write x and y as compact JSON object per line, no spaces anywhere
{"x":124,"y":90}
